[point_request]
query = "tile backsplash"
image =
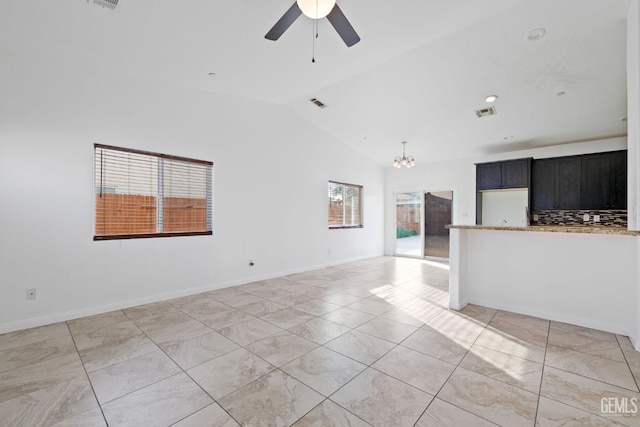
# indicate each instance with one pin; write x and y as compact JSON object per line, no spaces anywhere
{"x":612,"y":218}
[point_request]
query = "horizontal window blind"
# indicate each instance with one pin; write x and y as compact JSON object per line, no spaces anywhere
{"x":345,"y":205}
{"x":142,"y":194}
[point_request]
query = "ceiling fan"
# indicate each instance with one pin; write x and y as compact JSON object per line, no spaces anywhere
{"x":316,"y":9}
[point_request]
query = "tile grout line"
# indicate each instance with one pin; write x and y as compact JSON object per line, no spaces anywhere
{"x":276,"y":368}
{"x":544,"y":365}
{"x":627,"y":361}
{"x":95,"y":396}
{"x":591,"y":355}
{"x":184,"y":371}
{"x":325,"y":398}
{"x":215,"y":401}
{"x":344,"y":355}
{"x":366,"y":367}
{"x":333,"y":291}
{"x":173,"y":361}
{"x":129,"y":359}
{"x":451,"y":374}
{"x":594,"y":355}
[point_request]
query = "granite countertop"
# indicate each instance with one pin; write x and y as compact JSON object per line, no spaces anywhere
{"x":554,"y":229}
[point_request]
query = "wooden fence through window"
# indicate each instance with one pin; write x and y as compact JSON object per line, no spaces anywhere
{"x":136,"y":214}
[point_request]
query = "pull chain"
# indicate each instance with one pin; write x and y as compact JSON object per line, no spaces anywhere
{"x":315,"y":31}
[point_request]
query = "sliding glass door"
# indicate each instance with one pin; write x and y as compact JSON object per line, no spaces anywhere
{"x":421,"y":217}
{"x":409,"y":224}
{"x":437,"y":214}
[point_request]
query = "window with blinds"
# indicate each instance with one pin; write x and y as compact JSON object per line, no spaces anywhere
{"x":345,"y":205}
{"x":141,"y":194}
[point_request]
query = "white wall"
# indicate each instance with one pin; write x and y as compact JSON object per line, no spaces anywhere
{"x":460,"y":176}
{"x":633,"y":129}
{"x":505,"y":207}
{"x":633,"y":111}
{"x":582,"y":279}
{"x":270,"y":187}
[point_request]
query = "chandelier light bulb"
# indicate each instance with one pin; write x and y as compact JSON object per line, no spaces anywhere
{"x":316,"y":9}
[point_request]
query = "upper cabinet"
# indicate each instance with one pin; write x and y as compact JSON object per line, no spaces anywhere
{"x":618,"y":180}
{"x":555,"y":183}
{"x":595,"y":181}
{"x":604,"y":181}
{"x":501,"y":175}
{"x":569,"y":182}
{"x":590,"y":181}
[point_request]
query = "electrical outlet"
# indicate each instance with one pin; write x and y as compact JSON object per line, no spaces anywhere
{"x":585,"y":217}
{"x":535,"y":217}
{"x":31,"y":293}
{"x":596,"y":218}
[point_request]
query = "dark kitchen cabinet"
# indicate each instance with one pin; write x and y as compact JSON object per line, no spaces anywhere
{"x":589,"y":181}
{"x":569,"y":175}
{"x":604,"y":180}
{"x":489,"y":176}
{"x":618,"y":180}
{"x":502,"y":175}
{"x":595,"y":181}
{"x":555,"y":183}
{"x":515,"y":173}
{"x":543,"y":184}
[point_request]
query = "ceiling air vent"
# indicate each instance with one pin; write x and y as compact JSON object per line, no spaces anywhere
{"x":318,"y":103}
{"x":111,"y":4}
{"x":489,"y":111}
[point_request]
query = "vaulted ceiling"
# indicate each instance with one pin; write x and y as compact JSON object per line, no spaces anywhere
{"x":421,"y":70}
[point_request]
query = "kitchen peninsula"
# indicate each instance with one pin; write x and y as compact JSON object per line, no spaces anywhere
{"x":574,"y":274}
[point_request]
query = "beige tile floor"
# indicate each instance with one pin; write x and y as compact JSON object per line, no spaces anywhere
{"x":367,"y":343}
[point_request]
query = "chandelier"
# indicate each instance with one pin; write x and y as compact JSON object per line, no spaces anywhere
{"x":404,"y":161}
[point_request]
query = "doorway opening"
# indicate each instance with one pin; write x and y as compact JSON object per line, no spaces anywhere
{"x":421,"y":218}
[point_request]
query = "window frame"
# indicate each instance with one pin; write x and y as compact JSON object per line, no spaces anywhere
{"x":209,"y":195}
{"x":360,"y":207}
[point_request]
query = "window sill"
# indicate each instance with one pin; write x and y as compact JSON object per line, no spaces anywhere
{"x":151,"y":235}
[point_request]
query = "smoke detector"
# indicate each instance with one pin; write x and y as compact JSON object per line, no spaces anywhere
{"x":109,"y":4}
{"x":489,"y":111}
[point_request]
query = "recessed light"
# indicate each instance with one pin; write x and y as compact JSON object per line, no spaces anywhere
{"x":561,"y":93}
{"x":536,"y":34}
{"x":212,"y":74}
{"x":491,"y":98}
{"x":508,"y":137}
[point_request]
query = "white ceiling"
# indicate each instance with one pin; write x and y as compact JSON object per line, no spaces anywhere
{"x":421,"y":70}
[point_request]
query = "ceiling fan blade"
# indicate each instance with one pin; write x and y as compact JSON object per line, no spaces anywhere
{"x":285,"y":22}
{"x":342,"y":26}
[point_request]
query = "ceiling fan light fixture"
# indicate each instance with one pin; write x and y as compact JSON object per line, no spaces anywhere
{"x":316,"y":9}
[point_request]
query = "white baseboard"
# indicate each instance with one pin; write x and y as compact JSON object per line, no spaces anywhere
{"x":457,"y":306}
{"x":100,"y":309}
